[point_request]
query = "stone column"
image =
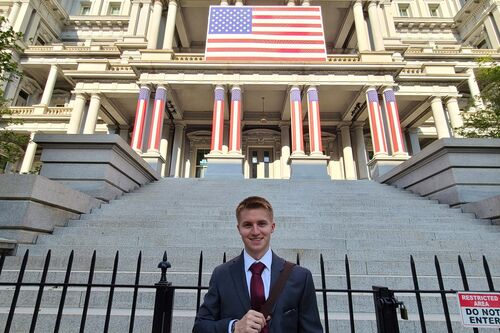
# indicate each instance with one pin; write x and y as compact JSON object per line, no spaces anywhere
{"x":414,"y":142}
{"x":290,"y":3}
{"x":224,"y":3}
{"x":360,"y":150}
{"x":315,"y":138}
{"x":396,"y":134}
{"x":134,"y":17}
{"x":350,"y":172}
{"x":218,"y":120}
{"x":175,"y":166}
{"x":296,"y":119}
{"x":235,"y":127}
{"x":492,"y":31}
{"x":164,"y":151}
{"x":22,"y":18}
{"x":77,"y":114}
{"x":49,"y":85}
{"x":285,"y":150}
{"x":359,"y":22}
{"x":29,"y":155}
{"x":170,"y":25}
{"x":156,"y":129}
{"x":13,"y":12}
{"x":454,"y":114}
{"x":143,"y":22}
{"x":376,"y":124}
{"x":155,"y":25}
{"x":92,"y":114}
{"x":239,"y":3}
{"x":140,"y":117}
{"x":474,"y":90}
{"x":378,"y":39}
{"x":440,"y":121}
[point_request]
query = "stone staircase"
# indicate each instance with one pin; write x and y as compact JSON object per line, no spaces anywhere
{"x":377,"y":226}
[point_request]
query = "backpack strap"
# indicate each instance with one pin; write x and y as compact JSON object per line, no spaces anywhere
{"x":277,"y":289}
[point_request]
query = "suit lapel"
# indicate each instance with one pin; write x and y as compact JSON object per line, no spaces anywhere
{"x":240,"y":282}
{"x":276,"y":268}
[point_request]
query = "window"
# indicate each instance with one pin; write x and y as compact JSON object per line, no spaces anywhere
{"x":404,"y":9}
{"x":22,"y":98}
{"x":114,"y":8}
{"x":85,"y":9}
{"x":40,"y":41}
{"x":434,"y":10}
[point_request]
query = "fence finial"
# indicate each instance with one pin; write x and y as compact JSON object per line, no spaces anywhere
{"x":164,"y":265}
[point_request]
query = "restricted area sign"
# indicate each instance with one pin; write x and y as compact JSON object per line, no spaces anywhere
{"x":479,"y":309}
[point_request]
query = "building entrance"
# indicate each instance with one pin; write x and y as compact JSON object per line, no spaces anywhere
{"x":260,"y":162}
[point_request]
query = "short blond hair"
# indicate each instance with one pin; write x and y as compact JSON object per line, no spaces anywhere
{"x":254,"y":202}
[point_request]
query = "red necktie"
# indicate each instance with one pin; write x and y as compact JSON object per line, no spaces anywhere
{"x":257,"y":295}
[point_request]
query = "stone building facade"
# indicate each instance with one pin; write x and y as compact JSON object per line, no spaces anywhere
{"x":396,"y":77}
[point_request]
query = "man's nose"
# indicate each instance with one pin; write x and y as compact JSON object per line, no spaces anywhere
{"x":255,"y":229}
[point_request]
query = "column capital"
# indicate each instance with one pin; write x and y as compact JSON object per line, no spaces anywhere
{"x":284,"y":125}
{"x":236,"y":86}
{"x":412,"y":130}
{"x":344,"y":124}
{"x":306,"y":3}
{"x":179,"y":126}
{"x":312,"y":87}
{"x":436,"y":99}
{"x":220,"y":86}
{"x":371,"y":88}
{"x":148,"y":86}
{"x":96,"y":95}
{"x":358,"y":124}
{"x":161,"y":86}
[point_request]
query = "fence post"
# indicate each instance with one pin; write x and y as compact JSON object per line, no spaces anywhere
{"x":385,"y":310}
{"x":164,"y":301}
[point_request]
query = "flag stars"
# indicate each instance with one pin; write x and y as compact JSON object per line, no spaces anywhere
{"x":230,"y":20}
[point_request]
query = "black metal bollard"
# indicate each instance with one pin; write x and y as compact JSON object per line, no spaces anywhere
{"x":164,"y":301}
{"x":385,"y":310}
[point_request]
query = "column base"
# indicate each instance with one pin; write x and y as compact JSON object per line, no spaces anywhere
{"x":154,"y":159}
{"x":380,"y":165}
{"x":309,"y":167}
{"x":227,"y":166}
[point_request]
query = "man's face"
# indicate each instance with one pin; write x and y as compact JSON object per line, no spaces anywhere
{"x":255,"y":227}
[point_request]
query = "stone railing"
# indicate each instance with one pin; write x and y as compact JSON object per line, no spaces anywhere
{"x":412,"y":71}
{"x":54,"y":111}
{"x":342,"y":58}
{"x":459,"y":51}
{"x":59,"y":48}
{"x":120,"y":68}
{"x":59,"y":111}
{"x":189,"y":57}
{"x":21,"y":110}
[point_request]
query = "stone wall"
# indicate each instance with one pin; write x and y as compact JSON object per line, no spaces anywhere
{"x":452,"y":171}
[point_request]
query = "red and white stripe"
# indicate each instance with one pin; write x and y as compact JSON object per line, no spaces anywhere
{"x":376,"y":124}
{"x":296,"y":120}
{"x":235,"y":127}
{"x":314,"y":124}
{"x":157,"y":120}
{"x":140,"y":117}
{"x":397,"y":142}
{"x":217,"y":123}
{"x":279,"y":33}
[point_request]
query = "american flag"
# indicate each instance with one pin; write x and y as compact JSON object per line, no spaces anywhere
{"x":376,"y":126}
{"x":393,"y":115}
{"x":140,"y":117}
{"x":265,"y":33}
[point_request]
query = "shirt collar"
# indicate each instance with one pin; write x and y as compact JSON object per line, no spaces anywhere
{"x":267,"y":259}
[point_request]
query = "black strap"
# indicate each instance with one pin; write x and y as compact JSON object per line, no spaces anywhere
{"x":277,"y":289}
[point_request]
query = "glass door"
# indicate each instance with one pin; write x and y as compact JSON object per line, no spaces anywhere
{"x":260,"y":162}
{"x":201,"y":162}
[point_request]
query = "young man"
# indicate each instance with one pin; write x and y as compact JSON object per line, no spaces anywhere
{"x":239,"y":287}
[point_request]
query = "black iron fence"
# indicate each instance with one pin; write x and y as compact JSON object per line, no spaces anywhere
{"x":385,"y":300}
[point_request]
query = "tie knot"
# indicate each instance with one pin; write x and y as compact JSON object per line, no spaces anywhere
{"x":257,"y":268}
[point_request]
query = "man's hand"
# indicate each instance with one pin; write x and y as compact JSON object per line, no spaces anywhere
{"x":252,"y":322}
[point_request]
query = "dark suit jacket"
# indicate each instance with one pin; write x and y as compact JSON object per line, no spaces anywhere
{"x":227,"y":298}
